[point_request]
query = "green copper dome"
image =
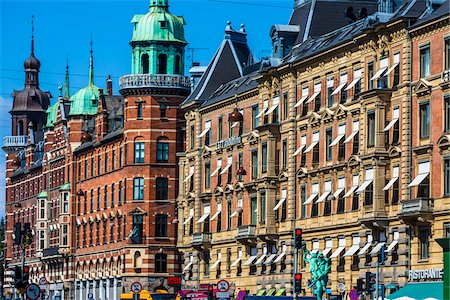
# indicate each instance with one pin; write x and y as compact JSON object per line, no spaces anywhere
{"x":52,"y":113}
{"x":158,"y":25}
{"x":85,"y":101}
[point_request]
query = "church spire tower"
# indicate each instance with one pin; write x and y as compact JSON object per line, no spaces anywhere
{"x":66,"y":82}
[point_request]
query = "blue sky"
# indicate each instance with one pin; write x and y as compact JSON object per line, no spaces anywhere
{"x":63,"y":28}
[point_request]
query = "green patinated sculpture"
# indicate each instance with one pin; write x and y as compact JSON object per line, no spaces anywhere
{"x":319,"y":267}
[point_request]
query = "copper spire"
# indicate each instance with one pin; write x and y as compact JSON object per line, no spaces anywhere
{"x":32,"y":34}
{"x":66,"y":84}
{"x":91,"y":66}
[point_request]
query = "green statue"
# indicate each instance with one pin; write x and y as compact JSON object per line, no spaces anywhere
{"x":319,"y":267}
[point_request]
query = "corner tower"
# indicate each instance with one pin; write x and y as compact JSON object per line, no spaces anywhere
{"x":158,"y":41}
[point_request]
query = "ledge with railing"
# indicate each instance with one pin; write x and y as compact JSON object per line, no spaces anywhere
{"x":154,"y":81}
{"x":12,"y":142}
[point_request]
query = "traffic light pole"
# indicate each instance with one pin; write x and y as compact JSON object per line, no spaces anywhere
{"x":22,"y":246}
{"x":295,"y":268}
{"x":377,"y":279}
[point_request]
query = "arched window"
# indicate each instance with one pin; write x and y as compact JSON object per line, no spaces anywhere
{"x":162,"y":64}
{"x":162,"y":110}
{"x":145,"y":64}
{"x":177,"y":65}
{"x":20,"y":127}
{"x":137,"y":260}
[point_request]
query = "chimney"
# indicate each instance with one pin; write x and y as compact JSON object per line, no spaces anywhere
{"x":109,"y":87}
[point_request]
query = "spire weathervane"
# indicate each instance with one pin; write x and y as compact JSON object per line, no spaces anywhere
{"x":32,"y":34}
{"x":66,"y":84}
{"x":91,"y":65}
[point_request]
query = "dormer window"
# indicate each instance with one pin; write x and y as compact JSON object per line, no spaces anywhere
{"x":163,"y":24}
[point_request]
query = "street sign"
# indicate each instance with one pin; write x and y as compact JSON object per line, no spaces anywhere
{"x":43,"y":283}
{"x":90,"y":296}
{"x":222,"y":295}
{"x":33,"y":291}
{"x":223,"y":285}
{"x":136,"y":287}
{"x":341,"y":287}
{"x":354,"y":295}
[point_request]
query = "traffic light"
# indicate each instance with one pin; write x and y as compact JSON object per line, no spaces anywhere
{"x":360,"y":286}
{"x":298,"y":238}
{"x":210,"y":292}
{"x":17,"y":233}
{"x":25,"y":275}
{"x":370,"y":282}
{"x":382,"y":257}
{"x":297,"y":283}
{"x":18,"y":282}
{"x":27,"y":235}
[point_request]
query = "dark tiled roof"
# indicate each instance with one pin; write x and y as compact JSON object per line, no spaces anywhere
{"x":441,"y":11}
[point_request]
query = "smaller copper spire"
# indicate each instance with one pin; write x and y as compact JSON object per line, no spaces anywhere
{"x":32,"y":34}
{"x":91,"y":65}
{"x":66,"y":84}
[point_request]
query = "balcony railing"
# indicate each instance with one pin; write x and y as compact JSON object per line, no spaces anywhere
{"x":416,"y":206}
{"x":246,"y":232}
{"x":14,"y":142}
{"x":155,"y":81}
{"x":199,"y":239}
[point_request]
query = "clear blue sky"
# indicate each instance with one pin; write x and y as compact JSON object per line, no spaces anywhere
{"x":63,"y":28}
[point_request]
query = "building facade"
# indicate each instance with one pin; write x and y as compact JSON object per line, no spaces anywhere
{"x":336,"y":137}
{"x":95,"y":174}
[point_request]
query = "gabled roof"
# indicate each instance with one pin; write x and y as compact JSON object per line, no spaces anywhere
{"x":227,"y":64}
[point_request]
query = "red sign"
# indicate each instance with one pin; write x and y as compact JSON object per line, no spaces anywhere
{"x":354,"y":295}
{"x":176,"y":280}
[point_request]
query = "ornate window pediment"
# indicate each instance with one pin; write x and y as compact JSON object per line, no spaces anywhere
{"x":137,"y":211}
{"x":283,"y":176}
{"x":314,"y":118}
{"x":340,"y":111}
{"x":229,"y":189}
{"x":327,"y":114}
{"x":354,"y":160}
{"x":423,"y":87}
{"x":239,"y":186}
{"x":444,"y":143}
{"x":218,"y":191}
{"x":395,"y":152}
{"x":253,"y":137}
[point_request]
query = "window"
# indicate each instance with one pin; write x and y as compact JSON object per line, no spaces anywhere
{"x":447,"y":176}
{"x":285,"y":106}
{"x":162,"y":188}
{"x":139,"y":111}
{"x":42,"y":205}
{"x":447,"y":53}
{"x":275,"y":113}
{"x":447,"y":113}
{"x":424,"y":109}
{"x":357,"y":86}
{"x":285,"y":154}
{"x":99,"y":164}
{"x":137,"y":232}
{"x":219,"y":218}
{"x":92,"y":201}
{"x":343,"y":82}
{"x":425,"y":67}
{"x":207,"y":175}
{"x":303,"y":152}
{"x":145,"y":63}
{"x":229,"y":213}
{"x":228,"y":260}
{"x":330,"y":89}
{"x":220,"y":128}
{"x":106,"y":162}
{"x":86,"y":173}
{"x":162,"y":151}
{"x":114,"y":159}
{"x":253,"y":210}
{"x":162,"y":110}
{"x":120,"y":157}
{"x":371,"y":128}
{"x":240,"y":165}
{"x":120,"y":193}
{"x":138,"y":188}
{"x":302,"y":201}
{"x":266,"y":107}
{"x":161,"y":226}
{"x":192,"y":132}
{"x":106,"y":197}
{"x":370,"y":74}
{"x":329,"y":140}
{"x":162,"y":64}
{"x":254,"y":164}
{"x":161,"y":263}
{"x":264,"y":157}
{"x":138,"y":152}
{"x":396,"y":79}
{"x":98,"y":199}
{"x":65,"y":203}
{"x":206,"y":263}
{"x":316,"y":149}
{"x":355,"y":197}
{"x":177,"y":65}
{"x":92,"y":165}
{"x":424,"y":242}
{"x":382,"y":79}
{"x":113,"y":194}
{"x":447,"y":230}
{"x":262,"y":197}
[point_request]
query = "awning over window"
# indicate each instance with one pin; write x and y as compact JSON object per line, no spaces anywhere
{"x":342,"y":83}
{"x":393,"y":179}
{"x":340,"y":189}
{"x":262,"y":257}
{"x":270,"y":258}
{"x":328,"y":247}
{"x":219,"y":210}
{"x":229,"y":163}
{"x":191,"y":215}
{"x":191,"y":173}
{"x":341,"y":134}
{"x":394,"y":242}
{"x":432,"y":290}
{"x":239,"y":208}
{"x":383,"y":68}
{"x":377,"y":248}
{"x":219,"y":257}
{"x":315,"y":247}
{"x":422,"y":173}
{"x":234,"y":124}
{"x":367,"y":245}
{"x":355,"y":130}
{"x":236,"y":262}
{"x":305,"y":92}
{"x":283,"y":198}
{"x":265,"y":107}
{"x":315,"y":192}
{"x":368,"y":180}
{"x":356,"y":78}
{"x":315,"y":141}
{"x":327,"y":191}
{"x":355,"y":179}
{"x":317,"y":88}
{"x":250,"y":260}
{"x":396,"y":62}
{"x":339,"y":249}
{"x":282,"y":254}
{"x":219,"y":166}
{"x":355,"y":247}
{"x":302,"y":145}
{"x":207,"y":128}
{"x":275,"y":102}
{"x":395,"y":117}
{"x":206,"y":212}
{"x":188,"y":266}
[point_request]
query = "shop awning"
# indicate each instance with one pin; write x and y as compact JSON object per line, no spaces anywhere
{"x":271,"y":292}
{"x":281,"y":292}
{"x":260,"y":293}
{"x":419,"y":290}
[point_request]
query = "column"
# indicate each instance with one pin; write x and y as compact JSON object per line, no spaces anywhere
{"x":100,"y":288}
{"x":80,"y":292}
{"x":107,"y":288}
{"x":87,"y":290}
{"x":115,"y":289}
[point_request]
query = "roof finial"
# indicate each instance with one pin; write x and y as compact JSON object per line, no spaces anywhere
{"x":66,"y":84}
{"x":32,"y":34}
{"x":91,"y":65}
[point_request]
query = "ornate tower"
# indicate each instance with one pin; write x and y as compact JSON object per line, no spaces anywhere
{"x":158,"y":41}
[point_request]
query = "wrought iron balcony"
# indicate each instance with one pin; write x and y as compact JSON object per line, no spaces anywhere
{"x":154,"y":81}
{"x":246,"y":232}
{"x":14,"y":143}
{"x":201,"y":239}
{"x":416,"y":206}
